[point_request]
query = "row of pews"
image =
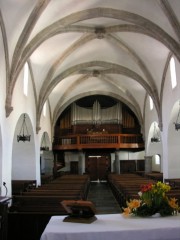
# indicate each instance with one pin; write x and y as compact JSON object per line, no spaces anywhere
{"x":127,"y":186}
{"x":47,"y":197}
{"x":31,"y":210}
{"x":173,"y":182}
{"x":157,"y":176}
{"x":19,"y":186}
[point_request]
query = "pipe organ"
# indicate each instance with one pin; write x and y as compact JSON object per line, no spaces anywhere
{"x":96,"y":115}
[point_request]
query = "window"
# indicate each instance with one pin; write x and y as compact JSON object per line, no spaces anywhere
{"x":26,"y":78}
{"x":173,"y":73}
{"x":44,"y":109}
{"x":150,"y":103}
{"x":157,"y":159}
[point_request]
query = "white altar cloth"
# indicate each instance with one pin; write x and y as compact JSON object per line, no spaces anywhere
{"x":114,"y":227}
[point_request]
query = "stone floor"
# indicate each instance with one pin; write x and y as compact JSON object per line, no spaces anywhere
{"x":102,"y":197}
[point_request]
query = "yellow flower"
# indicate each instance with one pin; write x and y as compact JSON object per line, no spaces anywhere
{"x":152,"y":198}
{"x":135,"y":203}
{"x":160,"y":188}
{"x":173,"y":204}
{"x":127,"y":211}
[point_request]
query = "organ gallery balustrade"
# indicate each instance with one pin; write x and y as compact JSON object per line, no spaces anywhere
{"x":98,"y":140}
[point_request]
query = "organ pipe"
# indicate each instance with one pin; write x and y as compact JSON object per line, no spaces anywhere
{"x":96,"y":114}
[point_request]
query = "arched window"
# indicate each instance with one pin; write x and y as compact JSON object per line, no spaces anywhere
{"x":173,"y":73}
{"x":26,"y":79}
{"x":157,"y":159}
{"x":44,"y":109}
{"x":151,"y":103}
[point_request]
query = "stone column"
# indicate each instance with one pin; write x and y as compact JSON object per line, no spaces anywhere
{"x":117,"y":163}
{"x":80,"y":161}
{"x":148,"y":164}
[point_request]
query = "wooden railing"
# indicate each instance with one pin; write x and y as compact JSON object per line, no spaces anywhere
{"x":71,"y":142}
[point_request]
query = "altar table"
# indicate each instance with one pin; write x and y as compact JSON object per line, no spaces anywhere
{"x":114,"y":227}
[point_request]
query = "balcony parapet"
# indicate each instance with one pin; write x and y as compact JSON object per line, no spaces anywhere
{"x":85,"y":141}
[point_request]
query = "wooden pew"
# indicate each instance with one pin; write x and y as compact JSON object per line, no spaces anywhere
{"x":47,"y":198}
{"x":173,"y":182}
{"x":127,"y":186}
{"x":76,"y":194}
{"x":19,"y":186}
{"x":34,"y":207}
{"x":39,"y":204}
{"x":155,"y":176}
{"x":46,"y":179}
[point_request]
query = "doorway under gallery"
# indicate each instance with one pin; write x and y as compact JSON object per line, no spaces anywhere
{"x":97,"y":165}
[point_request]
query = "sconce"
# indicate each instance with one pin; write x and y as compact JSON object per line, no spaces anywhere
{"x":156,"y":137}
{"x":177,"y":125}
{"x":44,"y":146}
{"x":23,"y":134}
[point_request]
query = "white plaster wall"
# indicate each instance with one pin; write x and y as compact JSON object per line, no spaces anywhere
{"x":0,"y":160}
{"x":151,"y":117}
{"x":47,"y":162}
{"x":72,"y":156}
{"x":171,"y":150}
{"x":27,"y":104}
{"x":173,"y":147}
{"x":23,"y":155}
{"x":6,"y":127}
{"x":168,"y":148}
{"x":69,"y":156}
{"x":46,"y":126}
{"x":25,"y":169}
{"x":2,"y":97}
{"x":126,"y":155}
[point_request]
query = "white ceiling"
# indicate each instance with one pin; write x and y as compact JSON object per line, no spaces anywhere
{"x":125,"y":60}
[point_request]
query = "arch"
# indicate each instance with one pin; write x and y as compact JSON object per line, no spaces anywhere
{"x":55,"y":28}
{"x":111,"y":68}
{"x":46,"y":157}
{"x":45,"y":142}
{"x":23,"y":153}
{"x":65,"y":105}
{"x":110,"y":81}
{"x":173,"y":144}
{"x":153,"y":148}
{"x":59,"y":26}
{"x":162,"y":86}
{"x":28,"y":28}
{"x":91,"y":35}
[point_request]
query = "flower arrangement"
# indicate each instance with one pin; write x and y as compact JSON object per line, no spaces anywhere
{"x":152,"y":200}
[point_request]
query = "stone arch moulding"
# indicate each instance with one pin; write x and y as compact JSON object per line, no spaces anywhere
{"x":152,"y":28}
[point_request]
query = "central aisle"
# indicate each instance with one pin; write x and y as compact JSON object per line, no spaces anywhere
{"x":101,"y":196}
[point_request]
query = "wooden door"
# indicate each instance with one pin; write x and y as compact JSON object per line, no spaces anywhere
{"x":127,"y":166}
{"x":97,"y":167}
{"x":91,"y":168}
{"x":103,"y":166}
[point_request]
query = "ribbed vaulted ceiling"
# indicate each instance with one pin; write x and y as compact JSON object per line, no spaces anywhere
{"x":80,"y":48}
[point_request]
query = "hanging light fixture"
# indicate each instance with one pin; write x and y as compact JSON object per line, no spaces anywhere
{"x":177,"y":125}
{"x":44,"y":146}
{"x":156,"y":137}
{"x":23,"y":134}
